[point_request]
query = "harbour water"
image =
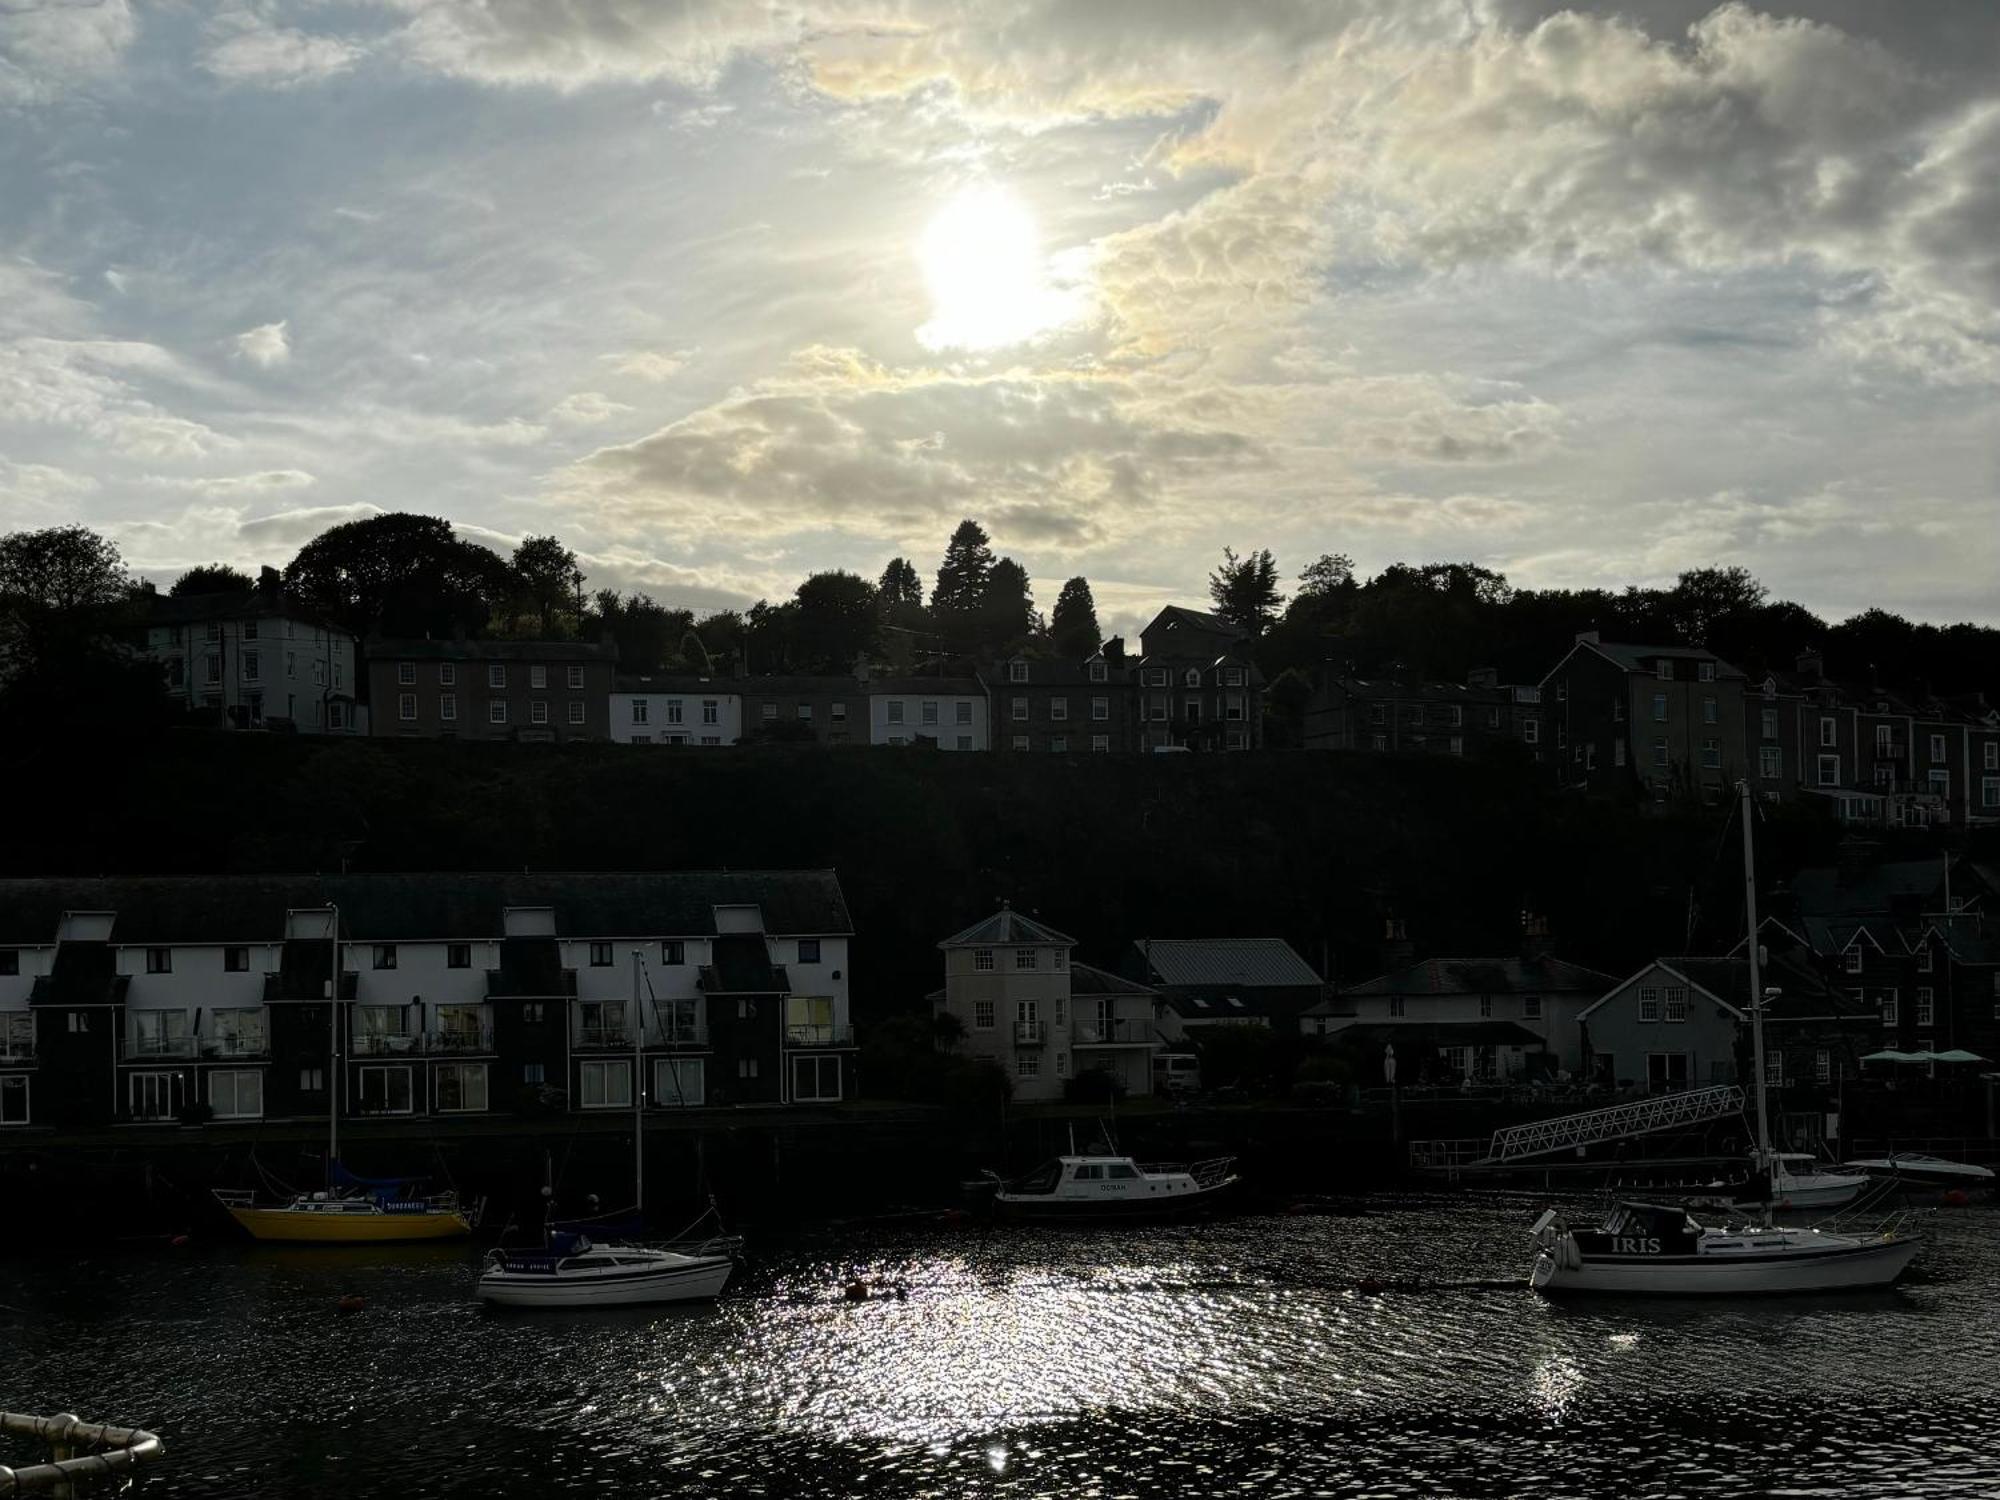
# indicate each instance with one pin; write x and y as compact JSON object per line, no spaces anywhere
{"x":1229,"y":1358}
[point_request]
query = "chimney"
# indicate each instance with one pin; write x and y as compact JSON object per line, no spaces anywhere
{"x":1397,"y":950}
{"x":269,"y":582}
{"x":1534,"y":937}
{"x":1811,"y":665}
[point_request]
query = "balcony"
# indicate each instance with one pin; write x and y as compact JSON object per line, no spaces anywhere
{"x":22,"y":1051}
{"x":604,"y":1037}
{"x":1114,"y":1033}
{"x":146,"y":1048}
{"x":384,"y":1044}
{"x":459,"y":1039}
{"x":819,"y":1036}
{"x":680,"y":1034}
{"x":1891,"y":750}
{"x":1030,"y":1033}
{"x":250,"y":1044}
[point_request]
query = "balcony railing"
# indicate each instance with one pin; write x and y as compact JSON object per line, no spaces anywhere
{"x":1891,"y":749}
{"x":14,"y":1052}
{"x":1113,"y":1033}
{"x":819,"y":1036}
{"x":1030,"y":1033}
{"x":158,"y":1046}
{"x":234,"y":1046}
{"x":460,"y":1039}
{"x":385,"y":1043}
{"x":683,"y":1035}
{"x":604,"y":1036}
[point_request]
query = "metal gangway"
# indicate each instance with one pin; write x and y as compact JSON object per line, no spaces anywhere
{"x":1639,"y":1117}
{"x":80,"y":1452}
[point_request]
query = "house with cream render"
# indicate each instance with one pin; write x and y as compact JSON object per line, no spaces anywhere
{"x":1022,"y":1003}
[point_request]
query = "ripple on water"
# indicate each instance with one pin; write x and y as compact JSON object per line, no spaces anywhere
{"x":1234,"y":1358}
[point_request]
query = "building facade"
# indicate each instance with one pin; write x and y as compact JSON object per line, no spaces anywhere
{"x":1410,"y":716}
{"x":1226,"y":982}
{"x":826,"y":710}
{"x":667,"y":710}
{"x":1196,"y":686}
{"x":212,"y":1000}
{"x":1061,"y":707}
{"x":254,"y":660}
{"x":1651,"y":723}
{"x":490,"y":690}
{"x":951,"y":713}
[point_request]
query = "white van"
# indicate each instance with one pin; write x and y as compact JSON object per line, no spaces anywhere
{"x":1176,"y":1073}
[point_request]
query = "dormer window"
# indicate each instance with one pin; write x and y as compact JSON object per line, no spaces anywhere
{"x":1706,"y":671}
{"x":1017,"y":671}
{"x":1232,"y":676}
{"x":1193,"y":678}
{"x":1853,"y":957}
{"x":1096,"y":671}
{"x":1664,"y":669}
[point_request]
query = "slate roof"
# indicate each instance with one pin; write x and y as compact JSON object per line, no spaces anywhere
{"x":243,"y":604}
{"x":1088,"y":979}
{"x":667,"y":683}
{"x":411,"y":908}
{"x":1487,"y":976}
{"x":1637,"y":658}
{"x":1444,"y":1033}
{"x":1247,"y":963}
{"x":390,"y":649}
{"x":1728,"y":979}
{"x":1899,"y":884}
{"x":1007,"y":928}
{"x":742,"y":966}
{"x":794,"y":687}
{"x":943,"y":687}
{"x":1200,"y":619}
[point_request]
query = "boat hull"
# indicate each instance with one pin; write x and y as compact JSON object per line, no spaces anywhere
{"x":1048,"y":1208}
{"x":290,"y":1226}
{"x":1857,"y":1267}
{"x":700,"y":1279}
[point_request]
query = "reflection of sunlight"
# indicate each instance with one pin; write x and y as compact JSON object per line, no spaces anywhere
{"x":1556,"y":1382}
{"x":989,"y":283}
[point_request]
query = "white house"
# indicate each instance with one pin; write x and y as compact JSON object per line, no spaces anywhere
{"x":950,"y":712}
{"x":675,"y":711}
{"x":256,"y":659}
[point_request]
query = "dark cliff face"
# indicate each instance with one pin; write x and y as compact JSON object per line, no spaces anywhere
{"x":1310,"y":847}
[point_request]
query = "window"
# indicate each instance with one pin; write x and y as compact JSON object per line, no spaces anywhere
{"x":815,"y":1080}
{"x":1100,"y":709}
{"x":448,"y":708}
{"x":837,"y":711}
{"x":606,"y":1085}
{"x":1617,"y":752}
{"x":673,"y":951}
{"x":964,"y":742}
{"x":982,"y":1015}
{"x":1398,"y":1007}
{"x":458,"y":955}
{"x":768,"y":712}
{"x":538,"y":711}
{"x":1649,"y":1005}
{"x":1017,"y":671}
{"x":805,"y":713}
{"x":1660,"y":754}
{"x":1028,"y":1065}
{"x":1989,"y":791}
{"x":1937,"y":747}
{"x":236,"y":960}
{"x":1095,"y":671}
{"x":1531,"y":1007}
{"x":1531,"y":731}
{"x":895,"y":710}
{"x":1659,"y":708}
{"x":236,"y":1093}
{"x":679,"y":1082}
{"x":496,"y":675}
{"x":406,"y":673}
{"x":1020,"y":742}
{"x":576,"y":712}
{"x":1666,"y":1070}
{"x":1058,"y":708}
{"x":1924,"y":959}
{"x":1062,"y":1065}
{"x":808,"y":950}
{"x":461,"y":1088}
{"x":1770,"y":762}
{"x":1485,"y":1007}
{"x":573,"y":676}
{"x":14,"y":1099}
{"x":1711,"y":755}
{"x":406,"y":707}
{"x":1378,"y":742}
{"x":1677,"y":1004}
{"x":538,"y":675}
{"x":533,"y":1073}
{"x":1664,"y":669}
{"x":982,"y":958}
{"x":600,"y":955}
{"x":153,"y":1096}
{"x":531,"y":1013}
{"x":496,"y":710}
{"x":319,"y":674}
{"x":1018,"y":707}
{"x":1026,"y":958}
{"x":386,"y":1091}
{"x":249,"y":630}
{"x":79,"y":1021}
{"x":1100,"y":744}
{"x":1829,"y":770}
{"x":642,"y":710}
{"x":385,"y":955}
{"x":961,"y":713}
{"x":1059,"y":744}
{"x":447,"y":674}
{"x":1829,"y":731}
{"x":927,"y":712}
{"x":1853,"y":959}
{"x":1232,"y":677}
{"x":1774,"y":1070}
{"x":312,"y":1080}
{"x":1709,"y":713}
{"x":1926,"y":1005}
{"x":159,"y":960}
{"x":1156,"y":677}
{"x":1889,"y":1009}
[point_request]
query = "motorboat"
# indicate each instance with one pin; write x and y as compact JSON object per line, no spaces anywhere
{"x":570,"y":1270}
{"x":1914,"y":1170}
{"x":1657,"y":1249}
{"x":356,"y":1211}
{"x":1114,"y":1187}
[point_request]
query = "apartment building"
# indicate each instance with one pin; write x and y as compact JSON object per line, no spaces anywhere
{"x":951,"y":713}
{"x":1410,"y":715}
{"x":1659,"y":723}
{"x":828,"y":710}
{"x":491,"y":690}
{"x":1058,"y":707}
{"x":254,"y":659}
{"x":457,"y":994}
{"x":1196,"y":686}
{"x":1024,"y":1005}
{"x":669,"y":710}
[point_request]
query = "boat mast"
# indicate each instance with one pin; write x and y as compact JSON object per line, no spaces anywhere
{"x":638,"y":1095}
{"x":333,"y":1048}
{"x":1764,"y":1159}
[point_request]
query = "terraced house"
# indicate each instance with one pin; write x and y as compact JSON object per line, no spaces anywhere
{"x":462,"y":994}
{"x":1058,"y":707}
{"x":490,"y":690}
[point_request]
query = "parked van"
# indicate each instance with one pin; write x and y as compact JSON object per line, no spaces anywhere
{"x":1176,"y":1073}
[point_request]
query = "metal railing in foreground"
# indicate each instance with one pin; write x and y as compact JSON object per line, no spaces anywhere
{"x":123,"y":1449}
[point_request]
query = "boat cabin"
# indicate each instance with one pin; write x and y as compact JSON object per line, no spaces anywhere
{"x":1642,"y":1229}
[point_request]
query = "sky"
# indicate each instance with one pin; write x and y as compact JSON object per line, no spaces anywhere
{"x":725,"y":294}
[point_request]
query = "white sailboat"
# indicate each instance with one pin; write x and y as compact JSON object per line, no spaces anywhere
{"x":1652,"y":1249}
{"x":569,"y":1270}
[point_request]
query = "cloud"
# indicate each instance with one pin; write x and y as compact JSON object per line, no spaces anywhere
{"x":244,"y":46}
{"x":650,"y":364}
{"x":95,"y":387}
{"x":49,"y":46}
{"x":261,"y":482}
{"x":586,"y":409}
{"x":266,"y":345}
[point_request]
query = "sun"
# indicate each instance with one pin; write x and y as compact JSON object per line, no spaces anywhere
{"x":989,"y":283}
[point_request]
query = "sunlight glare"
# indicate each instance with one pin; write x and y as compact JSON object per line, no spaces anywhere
{"x":988,"y":281}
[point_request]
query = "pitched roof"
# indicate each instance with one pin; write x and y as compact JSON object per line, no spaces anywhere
{"x":665,"y":682}
{"x":1088,"y":979}
{"x":238,"y":604}
{"x":1443,"y":1034}
{"x":1486,"y":976}
{"x":1828,"y":891}
{"x":1636,"y":658}
{"x":1007,"y":928}
{"x":1727,"y":981}
{"x":799,"y":686}
{"x":1176,"y":614}
{"x":943,"y":686}
{"x":409,"y":908}
{"x":1246,"y":962}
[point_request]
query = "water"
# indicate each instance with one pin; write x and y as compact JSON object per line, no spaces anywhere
{"x":1227,"y":1359}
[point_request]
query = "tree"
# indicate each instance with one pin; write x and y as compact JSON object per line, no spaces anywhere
{"x":211,"y":578}
{"x":399,"y":575}
{"x":900,"y":595}
{"x":60,"y":570}
{"x":649,"y":636}
{"x":1006,"y":608}
{"x":1073,"y":629}
{"x":836,"y":622}
{"x":961,"y":577}
{"x":550,"y":580}
{"x":1330,"y":572}
{"x":1703,"y":597}
{"x":65,"y":601}
{"x":1245,"y":590}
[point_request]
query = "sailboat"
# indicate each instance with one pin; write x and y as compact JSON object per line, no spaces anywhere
{"x":351,"y":1210}
{"x":569,"y":1269}
{"x":1654,"y":1249}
